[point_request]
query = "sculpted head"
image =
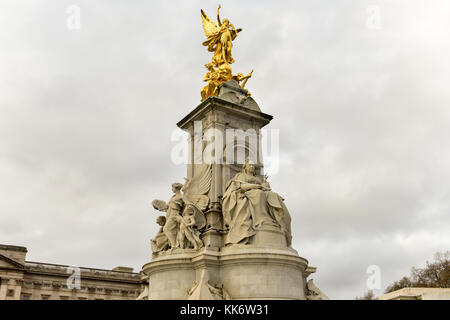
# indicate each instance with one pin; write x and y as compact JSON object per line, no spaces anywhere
{"x":161,"y":220}
{"x":176,"y":187}
{"x":249,"y":168}
{"x":226,"y":23}
{"x":189,"y":210}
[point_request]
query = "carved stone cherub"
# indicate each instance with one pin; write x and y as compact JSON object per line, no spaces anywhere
{"x":187,"y":230}
{"x":160,"y":241}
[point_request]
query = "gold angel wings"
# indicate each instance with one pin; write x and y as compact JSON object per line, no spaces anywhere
{"x":219,"y":39}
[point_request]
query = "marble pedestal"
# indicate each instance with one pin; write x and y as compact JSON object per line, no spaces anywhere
{"x":244,"y":271}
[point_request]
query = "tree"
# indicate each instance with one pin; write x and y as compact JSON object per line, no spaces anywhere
{"x":436,"y":274}
{"x":404,"y":282}
{"x":367,"y":296}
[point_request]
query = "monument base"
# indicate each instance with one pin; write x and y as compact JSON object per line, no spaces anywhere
{"x":269,"y":237}
{"x":234,"y":272}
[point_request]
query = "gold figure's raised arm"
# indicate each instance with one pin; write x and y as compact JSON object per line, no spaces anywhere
{"x":218,"y":16}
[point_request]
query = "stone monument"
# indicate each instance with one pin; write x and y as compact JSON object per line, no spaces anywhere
{"x":225,"y":234}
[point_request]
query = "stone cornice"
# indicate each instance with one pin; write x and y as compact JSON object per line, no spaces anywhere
{"x":214,"y":102}
{"x":14,"y":263}
{"x":12,"y":248}
{"x":133,"y":280}
{"x":86,"y":273}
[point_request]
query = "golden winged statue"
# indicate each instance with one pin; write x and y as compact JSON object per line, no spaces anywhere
{"x":219,"y":39}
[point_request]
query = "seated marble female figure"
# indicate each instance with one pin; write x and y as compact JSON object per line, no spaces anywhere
{"x":245,"y":206}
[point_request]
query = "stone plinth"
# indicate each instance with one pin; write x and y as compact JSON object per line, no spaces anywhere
{"x":245,"y":272}
{"x":269,"y":236}
{"x":227,"y":123}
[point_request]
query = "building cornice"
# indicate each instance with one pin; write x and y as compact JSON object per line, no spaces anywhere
{"x":14,"y":263}
{"x":12,"y":248}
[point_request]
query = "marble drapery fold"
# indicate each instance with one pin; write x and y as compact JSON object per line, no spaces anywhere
{"x":249,"y":204}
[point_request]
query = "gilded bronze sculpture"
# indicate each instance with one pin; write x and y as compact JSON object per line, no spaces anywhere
{"x":219,"y":39}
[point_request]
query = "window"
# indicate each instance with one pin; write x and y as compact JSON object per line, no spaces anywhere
{"x":45,"y":297}
{"x":64,"y":298}
{"x":26,"y":297}
{"x":10,"y":293}
{"x":46,"y":285}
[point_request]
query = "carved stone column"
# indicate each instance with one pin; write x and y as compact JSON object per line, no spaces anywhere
{"x":3,"y":288}
{"x":18,"y":289}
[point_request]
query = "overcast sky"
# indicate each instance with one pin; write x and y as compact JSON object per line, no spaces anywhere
{"x":86,"y":118}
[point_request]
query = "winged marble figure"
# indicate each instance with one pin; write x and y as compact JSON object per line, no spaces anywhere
{"x":195,"y":192}
{"x":184,"y":213}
